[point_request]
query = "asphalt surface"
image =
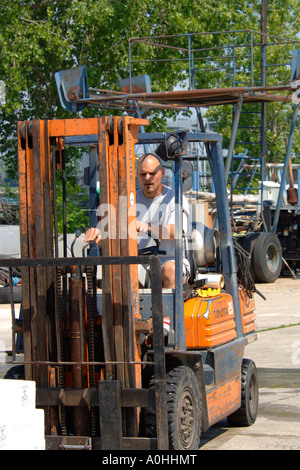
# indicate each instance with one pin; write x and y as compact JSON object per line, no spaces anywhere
{"x":277,"y":356}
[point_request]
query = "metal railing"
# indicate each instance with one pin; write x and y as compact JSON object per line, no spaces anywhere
{"x":232,"y":58}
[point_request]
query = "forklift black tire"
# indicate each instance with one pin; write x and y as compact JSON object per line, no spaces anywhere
{"x":184,"y":410}
{"x":267,"y":257}
{"x":246,"y":415}
{"x":248,"y":243}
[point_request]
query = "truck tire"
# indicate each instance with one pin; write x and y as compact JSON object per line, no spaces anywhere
{"x":248,"y":243}
{"x":267,"y":257}
{"x":246,"y":415}
{"x":184,"y":410}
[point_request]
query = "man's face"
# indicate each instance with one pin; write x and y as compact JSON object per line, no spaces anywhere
{"x":150,"y":174}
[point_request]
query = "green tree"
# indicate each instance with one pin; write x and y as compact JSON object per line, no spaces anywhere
{"x":40,"y":37}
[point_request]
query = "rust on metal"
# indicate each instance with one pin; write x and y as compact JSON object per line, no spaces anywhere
{"x":201,"y":97}
{"x":223,"y":400}
{"x":60,"y":329}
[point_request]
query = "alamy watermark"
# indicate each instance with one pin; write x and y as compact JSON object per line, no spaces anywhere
{"x":296,"y":353}
{"x":122,"y":224}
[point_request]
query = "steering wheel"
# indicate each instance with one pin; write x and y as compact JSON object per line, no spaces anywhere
{"x":151,"y":250}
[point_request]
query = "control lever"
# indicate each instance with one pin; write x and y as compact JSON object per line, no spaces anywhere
{"x":77,"y":235}
{"x":152,"y":250}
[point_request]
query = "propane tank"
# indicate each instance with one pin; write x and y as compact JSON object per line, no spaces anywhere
{"x":204,"y":243}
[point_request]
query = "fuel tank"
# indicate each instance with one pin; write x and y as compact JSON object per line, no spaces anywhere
{"x":209,"y":321}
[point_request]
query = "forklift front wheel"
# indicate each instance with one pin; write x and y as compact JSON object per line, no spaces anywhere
{"x":247,"y":413}
{"x":184,"y":410}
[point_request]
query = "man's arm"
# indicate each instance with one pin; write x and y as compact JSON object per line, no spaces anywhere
{"x":160,"y":232}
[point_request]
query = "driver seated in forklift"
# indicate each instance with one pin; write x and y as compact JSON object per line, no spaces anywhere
{"x":155,"y":205}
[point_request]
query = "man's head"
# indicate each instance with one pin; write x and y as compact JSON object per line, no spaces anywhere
{"x":150,"y":173}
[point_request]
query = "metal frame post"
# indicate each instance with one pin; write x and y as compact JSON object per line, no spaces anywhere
{"x":226,"y":242}
{"x":263,"y":83}
{"x":236,"y":120}
{"x":180,"y":342}
{"x":284,"y":172}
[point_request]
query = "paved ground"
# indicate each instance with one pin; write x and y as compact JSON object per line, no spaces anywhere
{"x":277,"y":357}
{"x":282,"y":304}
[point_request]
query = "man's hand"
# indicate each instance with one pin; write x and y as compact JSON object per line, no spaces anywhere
{"x":93,"y":235}
{"x":159,"y":232}
{"x":142,"y":227}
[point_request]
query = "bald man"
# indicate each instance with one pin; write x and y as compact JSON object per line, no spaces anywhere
{"x":155,"y":206}
{"x":156,"y":213}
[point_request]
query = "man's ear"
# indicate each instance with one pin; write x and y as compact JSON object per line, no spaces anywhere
{"x":162,"y":171}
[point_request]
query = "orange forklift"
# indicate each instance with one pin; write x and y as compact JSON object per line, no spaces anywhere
{"x":109,"y":374}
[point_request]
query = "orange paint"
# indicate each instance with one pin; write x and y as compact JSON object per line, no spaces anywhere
{"x":72,"y":127}
{"x":223,"y":401}
{"x":247,"y":311}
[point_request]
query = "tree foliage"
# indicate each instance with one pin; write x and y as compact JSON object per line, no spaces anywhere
{"x":40,"y":37}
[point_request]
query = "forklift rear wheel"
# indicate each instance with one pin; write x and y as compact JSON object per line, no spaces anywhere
{"x":184,"y":410}
{"x":247,"y":413}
